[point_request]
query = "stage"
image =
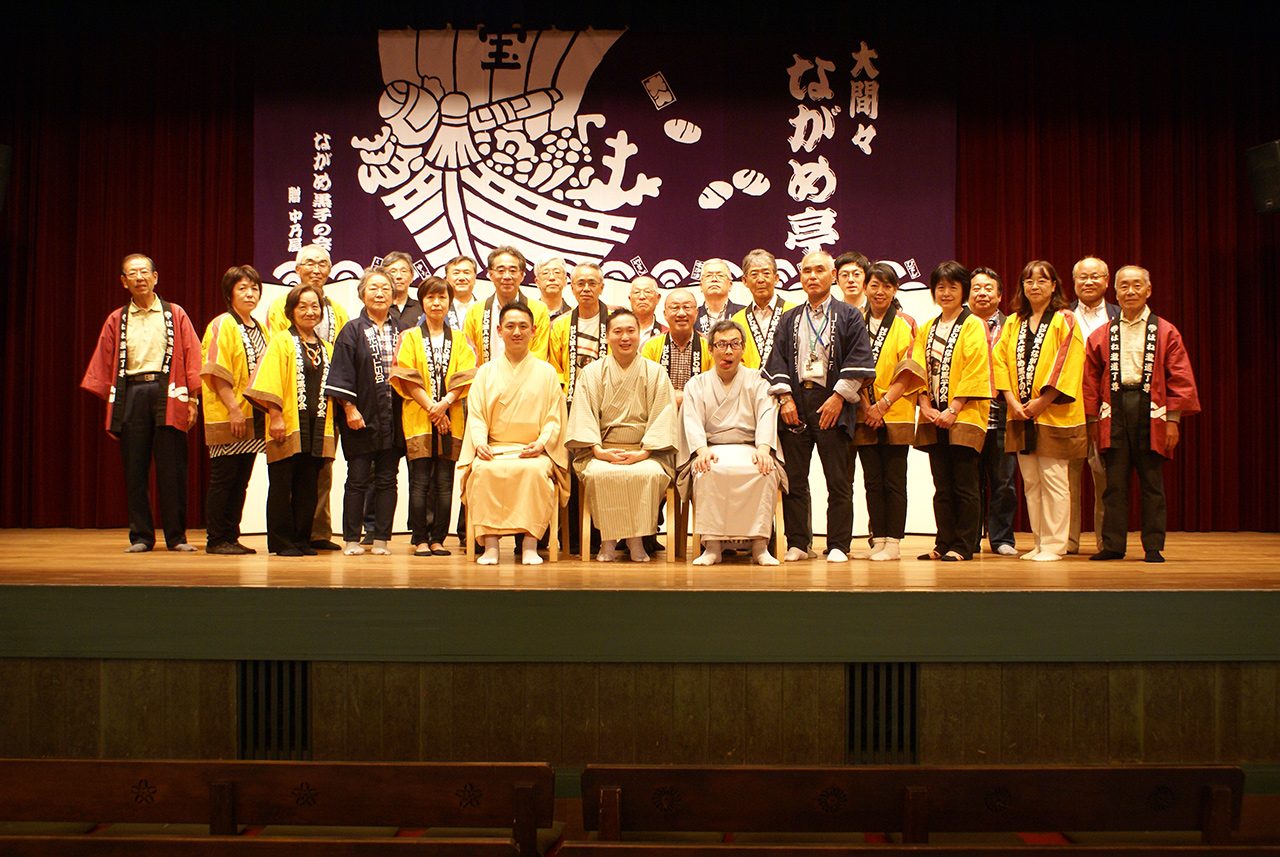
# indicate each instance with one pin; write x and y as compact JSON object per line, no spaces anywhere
{"x":74,"y":593}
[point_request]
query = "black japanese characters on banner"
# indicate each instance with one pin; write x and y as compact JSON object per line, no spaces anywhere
{"x":644,"y":151}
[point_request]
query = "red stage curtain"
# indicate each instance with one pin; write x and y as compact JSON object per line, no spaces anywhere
{"x":1134,"y":151}
{"x":1130,"y":150}
{"x":124,"y":144}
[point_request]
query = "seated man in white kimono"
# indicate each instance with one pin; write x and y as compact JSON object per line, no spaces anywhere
{"x":513,"y":456}
{"x":728,"y":445}
{"x":623,"y":434}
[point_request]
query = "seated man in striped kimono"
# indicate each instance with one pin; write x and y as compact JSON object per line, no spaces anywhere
{"x":622,"y":432}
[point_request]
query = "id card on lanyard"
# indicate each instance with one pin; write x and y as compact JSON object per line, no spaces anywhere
{"x":815,"y":368}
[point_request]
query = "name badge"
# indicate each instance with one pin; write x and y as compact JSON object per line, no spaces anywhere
{"x":814,"y":370}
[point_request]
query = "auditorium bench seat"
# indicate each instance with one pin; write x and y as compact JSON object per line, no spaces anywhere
{"x":229,"y":797}
{"x":672,"y":849}
{"x":248,"y":846}
{"x":914,"y":801}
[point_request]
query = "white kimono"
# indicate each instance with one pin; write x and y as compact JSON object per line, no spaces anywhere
{"x":733,"y":500}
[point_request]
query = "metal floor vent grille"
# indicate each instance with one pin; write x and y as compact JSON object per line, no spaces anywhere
{"x":882,"y":713}
{"x":275,"y":710}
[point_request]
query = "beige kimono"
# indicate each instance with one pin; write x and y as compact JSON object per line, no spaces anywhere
{"x":632,"y":408}
{"x":509,"y":407}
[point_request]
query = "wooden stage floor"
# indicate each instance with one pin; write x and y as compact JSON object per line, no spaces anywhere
{"x":1195,"y":561}
{"x":75,"y":593}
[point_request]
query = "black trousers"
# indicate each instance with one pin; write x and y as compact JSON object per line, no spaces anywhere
{"x":224,"y":503}
{"x":1000,"y":499}
{"x":141,"y":442}
{"x":378,"y":470}
{"x":884,"y":473}
{"x":1131,"y":450}
{"x":291,"y":500}
{"x":957,"y":511}
{"x":833,"y":453}
{"x":430,"y":499}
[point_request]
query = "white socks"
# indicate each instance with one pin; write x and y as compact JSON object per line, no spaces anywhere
{"x":529,"y":556}
{"x":888,"y":550}
{"x":877,"y":544}
{"x":760,"y":552}
{"x":710,"y":553}
{"x":490,"y":555}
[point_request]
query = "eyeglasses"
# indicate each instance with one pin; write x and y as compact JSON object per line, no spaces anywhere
{"x":317,"y":264}
{"x":727,"y":347}
{"x":1091,"y":278}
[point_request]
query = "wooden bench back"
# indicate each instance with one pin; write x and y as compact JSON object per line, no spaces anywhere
{"x":225,"y":794}
{"x":249,"y":846}
{"x":912,"y":799}
{"x":680,"y":849}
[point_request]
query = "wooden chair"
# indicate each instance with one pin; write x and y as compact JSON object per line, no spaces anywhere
{"x":559,"y":524}
{"x":913,"y":800}
{"x":584,"y":530}
{"x":517,"y":797}
{"x":778,"y":540}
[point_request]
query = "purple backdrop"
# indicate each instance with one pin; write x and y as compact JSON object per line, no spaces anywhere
{"x":638,"y":149}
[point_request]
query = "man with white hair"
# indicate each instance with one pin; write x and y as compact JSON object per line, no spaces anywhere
{"x":716,"y":281}
{"x":821,"y":356}
{"x":405,"y":310}
{"x":550,"y":274}
{"x":760,"y":319}
{"x":1089,"y":277}
{"x":681,"y":351}
{"x":1138,"y":385}
{"x":644,"y":303}
{"x":313,"y":267}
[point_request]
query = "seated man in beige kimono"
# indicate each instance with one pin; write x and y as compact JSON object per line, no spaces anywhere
{"x":728,"y":445}
{"x":623,"y":434}
{"x":513,"y":456}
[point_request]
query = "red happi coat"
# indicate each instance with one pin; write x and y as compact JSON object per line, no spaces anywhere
{"x":1173,"y":386}
{"x":184,"y":370}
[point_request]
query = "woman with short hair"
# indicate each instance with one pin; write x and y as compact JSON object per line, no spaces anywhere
{"x":364,"y":355}
{"x":433,"y":373}
{"x":233,"y":430}
{"x":954,"y":401}
{"x":290,"y":386}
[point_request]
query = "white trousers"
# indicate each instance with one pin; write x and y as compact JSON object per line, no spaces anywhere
{"x":1048,"y":491}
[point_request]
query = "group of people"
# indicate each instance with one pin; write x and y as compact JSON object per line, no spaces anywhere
{"x":730,"y":401}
